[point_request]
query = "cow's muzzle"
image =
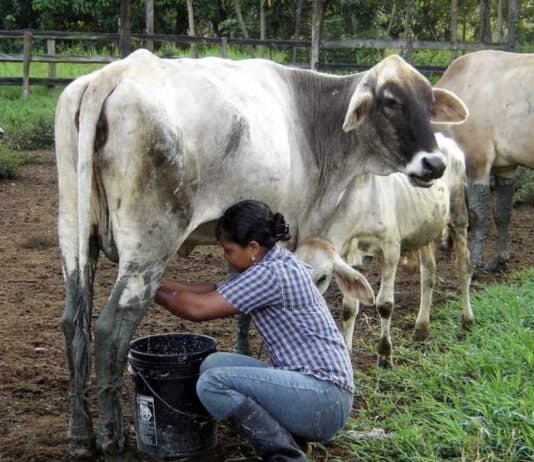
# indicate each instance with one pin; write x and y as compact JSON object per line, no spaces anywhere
{"x":425,"y":167}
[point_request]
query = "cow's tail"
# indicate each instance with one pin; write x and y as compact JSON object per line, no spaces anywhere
{"x":90,"y":114}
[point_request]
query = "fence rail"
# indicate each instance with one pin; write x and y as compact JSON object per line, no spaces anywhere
{"x":29,"y":36}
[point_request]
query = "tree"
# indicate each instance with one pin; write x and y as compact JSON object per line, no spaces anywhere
{"x":298,"y":16}
{"x":318,"y":7}
{"x":513,"y":17}
{"x":485,"y":26}
{"x":239,"y":14}
{"x":191,"y":29}
{"x":125,"y":29}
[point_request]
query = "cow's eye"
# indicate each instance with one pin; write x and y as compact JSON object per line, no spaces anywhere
{"x":391,"y":103}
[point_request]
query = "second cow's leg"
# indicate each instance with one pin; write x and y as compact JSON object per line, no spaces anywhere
{"x":502,"y":213}
{"x":428,"y":278}
{"x":351,"y":306}
{"x":479,"y":194}
{"x":385,"y":302}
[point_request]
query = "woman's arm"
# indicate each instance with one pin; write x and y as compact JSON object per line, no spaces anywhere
{"x":194,"y":306}
{"x":196,"y":287}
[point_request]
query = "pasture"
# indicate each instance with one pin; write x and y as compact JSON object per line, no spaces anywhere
{"x":457,"y":396}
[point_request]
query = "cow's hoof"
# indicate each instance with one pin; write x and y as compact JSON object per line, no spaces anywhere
{"x":385,"y":363}
{"x":420,"y":334}
{"x":467,"y":323}
{"x":497,"y":265}
{"x":82,"y":449}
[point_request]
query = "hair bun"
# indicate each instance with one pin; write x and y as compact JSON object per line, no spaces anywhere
{"x":281,"y":228}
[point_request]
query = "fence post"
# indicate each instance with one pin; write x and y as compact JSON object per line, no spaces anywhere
{"x":26,"y":64}
{"x":224,"y":47}
{"x":51,"y":50}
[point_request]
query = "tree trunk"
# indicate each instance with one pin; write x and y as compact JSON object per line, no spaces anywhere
{"x":317,"y":19}
{"x":239,"y":14}
{"x":454,"y":25}
{"x":298,"y":18}
{"x":485,"y":26}
{"x":262,"y":26}
{"x":499,"y":22}
{"x":191,"y":27}
{"x":125,"y":29}
{"x":149,"y":23}
{"x":513,"y":18}
{"x":391,"y":19}
{"x":408,"y":30}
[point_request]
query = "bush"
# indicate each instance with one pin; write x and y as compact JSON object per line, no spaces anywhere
{"x":11,"y":161}
{"x":524,"y":187}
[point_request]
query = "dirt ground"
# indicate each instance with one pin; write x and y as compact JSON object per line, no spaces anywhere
{"x":33,"y":377}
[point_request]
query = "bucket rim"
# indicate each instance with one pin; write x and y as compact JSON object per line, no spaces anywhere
{"x":168,"y":355}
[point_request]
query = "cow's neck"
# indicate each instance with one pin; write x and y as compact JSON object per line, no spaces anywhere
{"x":333,"y":158}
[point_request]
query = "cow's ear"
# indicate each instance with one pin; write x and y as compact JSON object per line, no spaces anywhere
{"x":352,"y":283}
{"x":447,"y":108}
{"x":360,"y":105}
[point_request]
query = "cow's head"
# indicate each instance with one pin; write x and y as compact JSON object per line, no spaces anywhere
{"x":327,"y":264}
{"x":1,"y":133}
{"x":393,"y":107}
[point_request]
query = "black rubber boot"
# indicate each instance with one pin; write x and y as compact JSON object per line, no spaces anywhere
{"x":272,"y":442}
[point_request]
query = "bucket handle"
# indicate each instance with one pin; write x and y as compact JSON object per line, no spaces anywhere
{"x":177,"y":411}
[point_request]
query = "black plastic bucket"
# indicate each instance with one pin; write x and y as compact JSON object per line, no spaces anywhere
{"x":170,"y":420}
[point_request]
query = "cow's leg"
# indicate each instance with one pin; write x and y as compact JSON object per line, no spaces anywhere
{"x":137,"y":281}
{"x":76,"y":325}
{"x":242,"y":345}
{"x":385,"y":301}
{"x":428,"y":278}
{"x":502,"y":213}
{"x":479,"y":194}
{"x":351,"y":307}
{"x":464,"y":271}
{"x":243,"y":327}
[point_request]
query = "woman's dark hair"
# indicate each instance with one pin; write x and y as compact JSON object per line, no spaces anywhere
{"x":250,"y":220}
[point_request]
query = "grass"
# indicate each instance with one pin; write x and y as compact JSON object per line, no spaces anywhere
{"x":462,"y":395}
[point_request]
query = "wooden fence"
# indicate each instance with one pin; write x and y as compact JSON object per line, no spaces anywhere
{"x":30,"y":36}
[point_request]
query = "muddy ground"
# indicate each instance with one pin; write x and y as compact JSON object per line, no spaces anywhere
{"x":33,"y":376}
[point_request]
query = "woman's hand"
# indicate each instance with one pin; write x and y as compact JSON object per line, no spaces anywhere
{"x":193,"y":305}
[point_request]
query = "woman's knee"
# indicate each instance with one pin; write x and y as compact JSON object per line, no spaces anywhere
{"x":209,"y":362}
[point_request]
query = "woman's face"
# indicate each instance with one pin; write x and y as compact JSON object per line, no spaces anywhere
{"x":241,"y":258}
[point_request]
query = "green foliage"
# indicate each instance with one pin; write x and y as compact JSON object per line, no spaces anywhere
{"x":462,"y":395}
{"x":11,"y":161}
{"x":524,"y":187}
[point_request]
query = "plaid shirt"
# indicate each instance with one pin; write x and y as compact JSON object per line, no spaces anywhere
{"x":292,"y":317}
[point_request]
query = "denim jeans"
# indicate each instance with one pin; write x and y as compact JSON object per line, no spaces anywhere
{"x":309,"y":408}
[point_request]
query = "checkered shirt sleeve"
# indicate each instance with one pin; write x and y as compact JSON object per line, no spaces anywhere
{"x":256,"y":288}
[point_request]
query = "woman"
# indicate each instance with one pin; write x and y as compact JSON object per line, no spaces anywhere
{"x":307,"y":391}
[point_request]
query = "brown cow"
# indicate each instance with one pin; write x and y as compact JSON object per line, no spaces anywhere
{"x":497,"y":138}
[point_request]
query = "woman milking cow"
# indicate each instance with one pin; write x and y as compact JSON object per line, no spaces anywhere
{"x":306,"y":391}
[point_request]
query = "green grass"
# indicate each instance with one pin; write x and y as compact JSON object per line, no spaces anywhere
{"x":462,"y":395}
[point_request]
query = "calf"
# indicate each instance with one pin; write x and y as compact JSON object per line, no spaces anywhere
{"x":386,"y":217}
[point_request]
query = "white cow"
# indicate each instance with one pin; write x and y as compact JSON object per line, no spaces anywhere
{"x":386,"y":217}
{"x":150,"y":152}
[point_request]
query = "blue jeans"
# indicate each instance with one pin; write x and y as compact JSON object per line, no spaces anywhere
{"x":309,"y":408}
